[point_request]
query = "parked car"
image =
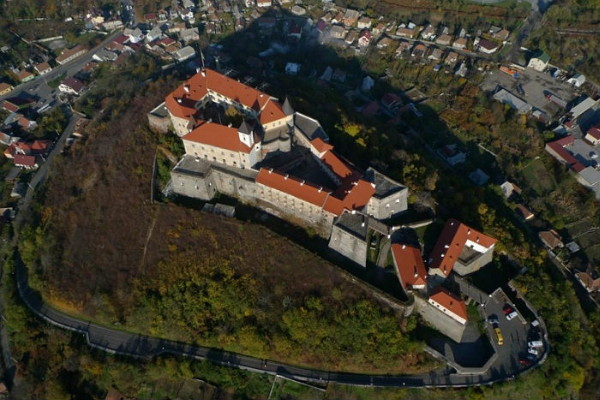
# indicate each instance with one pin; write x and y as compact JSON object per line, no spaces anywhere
{"x":507,"y":309}
{"x":525,"y":361}
{"x":493,"y":319}
{"x":535,"y":343}
{"x":499,"y":336}
{"x":533,"y":351}
{"x":511,"y":315}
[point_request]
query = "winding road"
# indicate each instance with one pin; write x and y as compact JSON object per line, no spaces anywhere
{"x":145,"y":347}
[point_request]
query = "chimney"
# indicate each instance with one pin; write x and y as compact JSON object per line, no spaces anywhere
{"x":271,"y":171}
{"x":179,"y":101}
{"x":403,"y":246}
{"x":186,"y":88}
{"x":446,"y":246}
{"x":229,"y":125}
{"x":416,"y":274}
{"x":469,"y":232}
{"x":302,"y":183}
{"x":286,"y":176}
{"x":362,"y":224}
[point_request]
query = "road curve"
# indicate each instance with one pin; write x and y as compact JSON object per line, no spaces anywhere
{"x":145,"y":347}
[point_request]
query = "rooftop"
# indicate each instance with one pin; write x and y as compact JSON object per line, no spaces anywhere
{"x":451,"y":242}
{"x":409,"y":265}
{"x":450,"y":302}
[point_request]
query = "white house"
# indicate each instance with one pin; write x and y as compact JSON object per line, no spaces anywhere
{"x":577,"y":80}
{"x":539,"y":62}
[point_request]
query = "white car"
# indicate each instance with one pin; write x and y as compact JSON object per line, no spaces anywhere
{"x":511,"y":315}
{"x":533,"y":351}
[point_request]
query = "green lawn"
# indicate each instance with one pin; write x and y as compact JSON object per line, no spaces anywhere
{"x":538,"y":178}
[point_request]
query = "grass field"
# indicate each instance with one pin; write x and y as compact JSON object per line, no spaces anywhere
{"x":538,"y":178}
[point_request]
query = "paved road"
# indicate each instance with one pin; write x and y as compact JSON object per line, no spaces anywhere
{"x":42,"y":172}
{"x":139,"y":346}
{"x":71,"y":68}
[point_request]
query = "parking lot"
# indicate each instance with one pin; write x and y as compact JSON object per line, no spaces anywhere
{"x":515,"y":333}
{"x":532,"y":87}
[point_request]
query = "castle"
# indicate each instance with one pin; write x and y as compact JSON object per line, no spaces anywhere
{"x":243,"y":143}
{"x":274,"y":158}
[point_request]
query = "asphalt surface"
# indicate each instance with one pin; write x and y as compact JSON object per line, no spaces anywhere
{"x":139,"y":346}
{"x":70,"y":69}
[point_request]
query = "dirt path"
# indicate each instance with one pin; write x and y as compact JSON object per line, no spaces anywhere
{"x":148,"y":236}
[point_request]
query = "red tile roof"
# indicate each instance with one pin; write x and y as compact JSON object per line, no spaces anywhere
{"x":451,"y":242}
{"x":336,"y":165}
{"x":559,"y":148}
{"x":350,"y":196}
{"x":26,"y":161}
{"x":594,"y":132}
{"x":320,"y":145}
{"x":199,"y":85}
{"x":271,"y":112}
{"x":409,"y":265}
{"x":450,"y":302}
{"x":217,"y":135}
{"x":293,"y":187}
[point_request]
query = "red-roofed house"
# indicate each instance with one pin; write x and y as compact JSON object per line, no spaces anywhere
{"x":593,"y":135}
{"x":364,"y":39}
{"x":71,"y":85}
{"x":26,"y":162}
{"x":409,"y":267}
{"x":223,"y":144}
{"x":37,"y":147}
{"x":450,"y":305}
{"x":558,"y":149}
{"x":210,"y":85}
{"x":460,"y":248}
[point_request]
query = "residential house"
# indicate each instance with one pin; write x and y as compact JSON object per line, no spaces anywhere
{"x":524,"y":212}
{"x":409,"y":265}
{"x":338,"y":32}
{"x":26,"y":123}
{"x":339,"y":75}
{"x":350,"y":17}
{"x":24,"y":76}
{"x":577,"y":80}
{"x":338,"y":18}
{"x":112,"y":25}
{"x":364,"y":22}
{"x":479,"y":177}
{"x":295,"y":31}
{"x":379,"y":29}
{"x":502,"y":35}
{"x":351,"y":37}
{"x":486,"y":46}
{"x":384,"y":42}
{"x":37,"y":147}
{"x":406,"y":32}
{"x":587,"y":280}
{"x":509,"y":188}
{"x":189,"y":35}
{"x":539,"y":62}
{"x":5,"y":88}
{"x":135,"y":35}
{"x":184,"y":53}
{"x":428,"y":33}
{"x":297,"y":10}
{"x":70,"y":54}
{"x":27,"y":162}
{"x":154,"y":34}
{"x":403,"y":47}
{"x":364,"y":39}
{"x":460,"y":248}
{"x":42,"y":68}
{"x":451,"y":58}
{"x":176,"y":28}
{"x":551,"y":239}
{"x":460,"y":43}
{"x":452,"y":155}
{"x":391,"y":102}
{"x":420,"y":50}
{"x":593,"y":135}
{"x":71,"y":86}
{"x":292,"y":68}
{"x":104,"y":55}
{"x":444,"y":40}
{"x":436,"y":54}
{"x":450,"y":305}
